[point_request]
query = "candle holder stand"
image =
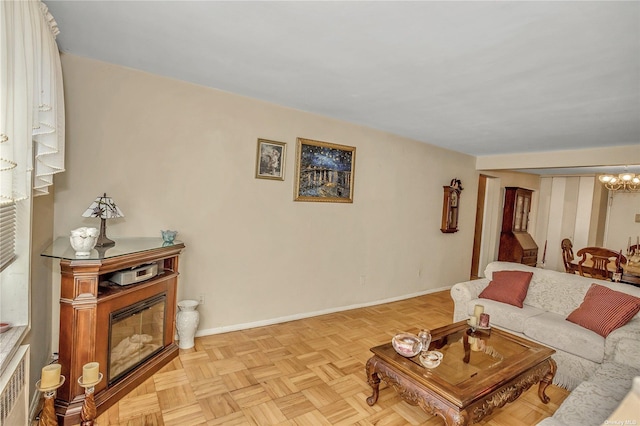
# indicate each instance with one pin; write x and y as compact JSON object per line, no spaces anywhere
{"x":48,"y":415}
{"x":89,"y":412}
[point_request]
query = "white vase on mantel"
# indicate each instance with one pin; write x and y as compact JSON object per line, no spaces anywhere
{"x":187,"y":321}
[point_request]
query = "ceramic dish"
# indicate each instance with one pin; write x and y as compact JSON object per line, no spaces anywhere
{"x":4,"y":326}
{"x":431,"y":359}
{"x":406,"y":344}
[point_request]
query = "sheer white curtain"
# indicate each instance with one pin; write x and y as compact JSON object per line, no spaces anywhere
{"x":32,"y":104}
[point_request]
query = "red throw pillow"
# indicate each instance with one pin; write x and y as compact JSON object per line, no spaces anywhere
{"x":603,"y":310}
{"x":508,"y":287}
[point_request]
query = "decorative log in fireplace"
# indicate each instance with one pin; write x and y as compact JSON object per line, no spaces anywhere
{"x":140,"y":319}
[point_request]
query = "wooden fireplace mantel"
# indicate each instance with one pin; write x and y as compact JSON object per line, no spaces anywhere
{"x":86,"y":301}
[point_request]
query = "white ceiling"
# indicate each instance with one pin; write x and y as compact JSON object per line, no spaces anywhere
{"x":477,"y":77}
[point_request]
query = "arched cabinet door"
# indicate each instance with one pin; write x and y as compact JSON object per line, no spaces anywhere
{"x":450,"y":206}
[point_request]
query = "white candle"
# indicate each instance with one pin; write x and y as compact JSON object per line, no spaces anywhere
{"x":473,"y":321}
{"x":90,"y":372}
{"x":50,"y":375}
{"x":477,"y":310}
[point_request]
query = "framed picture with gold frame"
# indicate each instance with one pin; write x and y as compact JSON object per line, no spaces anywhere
{"x":324,"y":172}
{"x":270,"y":159}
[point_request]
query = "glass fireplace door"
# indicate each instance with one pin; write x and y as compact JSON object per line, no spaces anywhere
{"x":135,"y":334}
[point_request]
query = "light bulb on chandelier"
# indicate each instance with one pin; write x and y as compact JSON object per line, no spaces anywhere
{"x":626,"y":182}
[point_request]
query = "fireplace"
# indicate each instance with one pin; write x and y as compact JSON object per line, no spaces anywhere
{"x":128,"y":329}
{"x":135,"y":335}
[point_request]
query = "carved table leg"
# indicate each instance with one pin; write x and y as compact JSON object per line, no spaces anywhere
{"x":454,"y":418}
{"x":546,"y":380}
{"x":374,"y":381}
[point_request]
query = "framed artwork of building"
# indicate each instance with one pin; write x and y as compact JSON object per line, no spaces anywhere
{"x":324,"y":172}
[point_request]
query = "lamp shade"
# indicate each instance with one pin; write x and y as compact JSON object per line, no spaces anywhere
{"x":103,"y":207}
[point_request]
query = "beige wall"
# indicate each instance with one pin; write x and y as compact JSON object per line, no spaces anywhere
{"x":621,"y":221}
{"x":508,"y":178}
{"x":180,"y":156}
{"x":603,"y":156}
{"x":39,"y":336}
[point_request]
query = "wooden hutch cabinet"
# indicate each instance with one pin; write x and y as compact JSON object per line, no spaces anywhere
{"x":92,"y":306}
{"x":516,"y":245}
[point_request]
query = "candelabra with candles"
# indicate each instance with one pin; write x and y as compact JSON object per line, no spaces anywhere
{"x":49,"y":382}
{"x":91,"y":376}
{"x":104,"y":208}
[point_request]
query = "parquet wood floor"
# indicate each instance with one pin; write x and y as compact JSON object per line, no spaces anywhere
{"x":304,"y":372}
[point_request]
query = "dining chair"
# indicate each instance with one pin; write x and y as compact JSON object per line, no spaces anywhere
{"x":599,"y":262}
{"x":567,"y":257}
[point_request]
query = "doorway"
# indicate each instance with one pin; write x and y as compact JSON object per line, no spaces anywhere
{"x":486,"y":235}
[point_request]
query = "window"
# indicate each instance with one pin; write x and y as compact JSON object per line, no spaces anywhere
{"x":7,"y":234}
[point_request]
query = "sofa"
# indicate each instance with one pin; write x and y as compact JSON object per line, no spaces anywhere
{"x":598,"y":370}
{"x":550,"y":298}
{"x":601,"y":399}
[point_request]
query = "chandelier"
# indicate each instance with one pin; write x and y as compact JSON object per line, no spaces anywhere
{"x":626,"y":182}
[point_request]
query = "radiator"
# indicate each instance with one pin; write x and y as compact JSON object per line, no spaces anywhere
{"x":14,"y":390}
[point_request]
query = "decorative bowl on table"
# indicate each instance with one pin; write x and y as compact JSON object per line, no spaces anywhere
{"x":83,"y":240}
{"x":431,"y":359}
{"x":407,"y":344}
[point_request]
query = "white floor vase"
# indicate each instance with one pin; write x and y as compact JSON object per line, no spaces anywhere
{"x":187,"y":321}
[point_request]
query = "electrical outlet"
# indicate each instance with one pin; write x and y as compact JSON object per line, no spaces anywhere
{"x":363,"y":280}
{"x":201,"y":299}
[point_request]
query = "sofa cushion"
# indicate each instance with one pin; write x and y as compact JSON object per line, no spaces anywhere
{"x":504,"y":315}
{"x":508,"y":287}
{"x":595,"y":399}
{"x":603,"y":310}
{"x":552,"y":330}
{"x":627,"y":351}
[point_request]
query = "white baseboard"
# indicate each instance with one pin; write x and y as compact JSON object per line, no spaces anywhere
{"x":262,"y":323}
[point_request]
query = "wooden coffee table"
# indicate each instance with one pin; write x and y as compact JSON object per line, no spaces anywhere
{"x":468,"y":384}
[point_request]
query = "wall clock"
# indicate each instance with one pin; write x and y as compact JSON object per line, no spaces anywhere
{"x":450,"y":206}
